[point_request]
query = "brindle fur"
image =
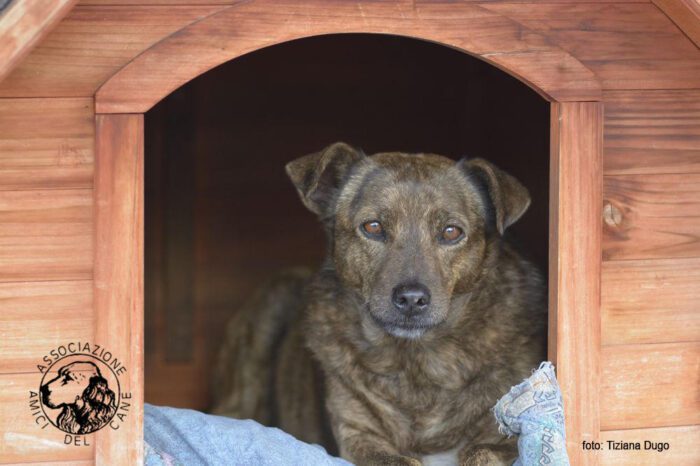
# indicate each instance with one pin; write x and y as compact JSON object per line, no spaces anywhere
{"x":264,"y":371}
{"x":398,"y":389}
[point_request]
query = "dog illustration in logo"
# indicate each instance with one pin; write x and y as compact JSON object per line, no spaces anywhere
{"x":79,"y":388}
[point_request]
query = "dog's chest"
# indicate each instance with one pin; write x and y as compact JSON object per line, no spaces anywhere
{"x":425,"y":419}
{"x":431,"y":403}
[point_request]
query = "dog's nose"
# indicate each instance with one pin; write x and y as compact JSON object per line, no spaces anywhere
{"x":411,"y":299}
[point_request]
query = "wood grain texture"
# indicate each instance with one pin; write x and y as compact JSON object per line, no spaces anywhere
{"x":118,"y":282}
{"x":686,"y":15}
{"x":650,"y":301}
{"x":22,"y":440}
{"x":651,"y":216}
{"x":91,"y":44}
{"x":229,"y":2}
{"x":46,"y":143}
{"x":45,"y":235}
{"x":24,"y":24}
{"x":55,"y":463}
{"x":155,"y":2}
{"x":650,"y":386}
{"x":35,"y":317}
{"x":245,"y":27}
{"x":574,"y":274}
{"x":652,"y":132}
{"x":683,"y":443}
{"x":627,"y":46}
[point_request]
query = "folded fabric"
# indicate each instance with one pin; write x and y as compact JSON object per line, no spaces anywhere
{"x":534,"y":411}
{"x":185,"y":437}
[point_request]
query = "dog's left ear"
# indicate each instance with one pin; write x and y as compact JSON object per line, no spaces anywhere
{"x":509,"y":198}
{"x":318,"y":177}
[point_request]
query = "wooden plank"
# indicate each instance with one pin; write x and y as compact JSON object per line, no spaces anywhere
{"x":36,"y":317}
{"x":55,"y":463}
{"x":46,"y":143}
{"x":651,"y":216}
{"x":91,"y":44}
{"x":627,"y":46}
{"x":683,"y":447}
{"x":652,"y":132}
{"x":651,"y":301}
{"x":24,"y":24}
{"x":23,"y":440}
{"x":46,"y":235}
{"x":686,"y":15}
{"x":229,"y":2}
{"x":574,"y":274}
{"x":249,"y":26}
{"x":650,"y":386}
{"x":119,"y":272}
{"x":155,"y":2}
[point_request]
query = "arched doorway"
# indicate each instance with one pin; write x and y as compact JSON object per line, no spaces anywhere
{"x":221,"y":217}
{"x":576,"y":128}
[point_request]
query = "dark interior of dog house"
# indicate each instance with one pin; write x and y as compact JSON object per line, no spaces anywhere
{"x":222,"y":216}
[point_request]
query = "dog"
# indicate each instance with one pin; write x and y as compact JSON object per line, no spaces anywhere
{"x":83,"y":394}
{"x":422,"y":315}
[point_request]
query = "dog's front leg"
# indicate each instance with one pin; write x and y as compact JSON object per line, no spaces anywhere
{"x":489,"y":454}
{"x":366,"y":449}
{"x":362,"y":433}
{"x":489,"y":447}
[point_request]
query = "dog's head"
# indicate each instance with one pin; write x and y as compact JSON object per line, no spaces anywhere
{"x":69,"y":384}
{"x":409,"y":232}
{"x":84,"y":395}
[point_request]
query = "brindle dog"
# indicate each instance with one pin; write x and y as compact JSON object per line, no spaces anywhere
{"x":422,"y":315}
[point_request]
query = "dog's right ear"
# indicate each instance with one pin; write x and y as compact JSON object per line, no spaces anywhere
{"x":509,"y":198}
{"x":319,"y":177}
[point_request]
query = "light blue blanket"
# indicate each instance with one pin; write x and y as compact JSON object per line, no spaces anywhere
{"x":185,"y":437}
{"x":533,"y":410}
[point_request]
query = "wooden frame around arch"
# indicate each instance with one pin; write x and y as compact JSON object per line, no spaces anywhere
{"x":575,"y":172}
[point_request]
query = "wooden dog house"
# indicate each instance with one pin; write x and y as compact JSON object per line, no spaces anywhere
{"x":623,"y":80}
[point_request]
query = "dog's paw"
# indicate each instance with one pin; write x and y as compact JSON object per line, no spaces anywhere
{"x":481,"y":455}
{"x":390,"y":460}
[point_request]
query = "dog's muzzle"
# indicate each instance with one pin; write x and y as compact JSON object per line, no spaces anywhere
{"x":45,"y":394}
{"x":411,"y":299}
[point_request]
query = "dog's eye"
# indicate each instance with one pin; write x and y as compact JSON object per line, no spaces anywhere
{"x":451,"y":234}
{"x":373,"y":229}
